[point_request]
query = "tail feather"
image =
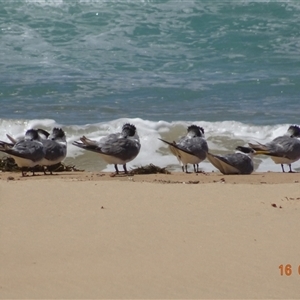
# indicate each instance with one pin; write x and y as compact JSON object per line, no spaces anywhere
{"x":5,"y":145}
{"x":174,"y":148}
{"x":262,"y":149}
{"x":78,"y":144}
{"x":14,"y":141}
{"x":221,"y":164}
{"x":258,"y":147}
{"x":87,"y":141}
{"x":264,"y":152}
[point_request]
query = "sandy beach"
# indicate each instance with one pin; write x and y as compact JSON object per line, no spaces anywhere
{"x":89,"y":235}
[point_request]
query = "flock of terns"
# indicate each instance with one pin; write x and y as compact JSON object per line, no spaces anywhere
{"x":41,"y":148}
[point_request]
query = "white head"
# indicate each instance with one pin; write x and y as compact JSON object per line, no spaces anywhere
{"x":245,"y":150}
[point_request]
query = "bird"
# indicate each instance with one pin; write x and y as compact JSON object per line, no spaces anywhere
{"x":27,"y":152}
{"x":239,"y":162}
{"x":116,"y":148}
{"x":190,"y":149}
{"x":6,"y":144}
{"x":283,"y":150}
{"x":55,"y":145}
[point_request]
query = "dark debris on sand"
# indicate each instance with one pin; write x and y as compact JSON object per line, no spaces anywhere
{"x":148,"y":169}
{"x":7,"y":164}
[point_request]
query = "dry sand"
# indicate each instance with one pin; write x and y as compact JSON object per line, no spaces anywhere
{"x":89,"y":235}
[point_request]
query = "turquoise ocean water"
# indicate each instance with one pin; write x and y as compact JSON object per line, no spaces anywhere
{"x":232,"y":67}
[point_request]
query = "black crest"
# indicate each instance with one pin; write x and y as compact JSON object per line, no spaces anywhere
{"x":197,"y":130}
{"x":58,"y":133}
{"x":128,"y":129}
{"x":294,"y":131}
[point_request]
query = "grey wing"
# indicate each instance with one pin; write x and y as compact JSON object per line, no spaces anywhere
{"x":289,"y":148}
{"x":235,"y":163}
{"x":241,"y":162}
{"x":123,"y":148}
{"x":53,"y":150}
{"x":284,"y":147}
{"x":28,"y":149}
{"x":221,"y":163}
{"x":109,"y":138}
{"x":196,"y":146}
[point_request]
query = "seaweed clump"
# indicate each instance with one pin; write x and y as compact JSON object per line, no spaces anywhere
{"x":7,"y":164}
{"x":149,"y":169}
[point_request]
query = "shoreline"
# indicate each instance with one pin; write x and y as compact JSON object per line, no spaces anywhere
{"x":172,"y":178}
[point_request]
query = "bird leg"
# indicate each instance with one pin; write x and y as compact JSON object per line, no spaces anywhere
{"x":125,"y":169}
{"x":282,"y":168}
{"x":24,"y":171}
{"x":186,"y":171}
{"x":196,"y":168}
{"x":116,"y":168}
{"x":44,"y":169}
{"x":291,"y":171}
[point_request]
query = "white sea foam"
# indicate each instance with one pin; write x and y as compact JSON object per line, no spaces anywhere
{"x":222,"y":137}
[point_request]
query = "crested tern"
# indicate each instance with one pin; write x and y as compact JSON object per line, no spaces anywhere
{"x":116,"y":148}
{"x":239,"y":162}
{"x":283,"y":149}
{"x":55,"y":145}
{"x":27,"y":152}
{"x":190,"y":149}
